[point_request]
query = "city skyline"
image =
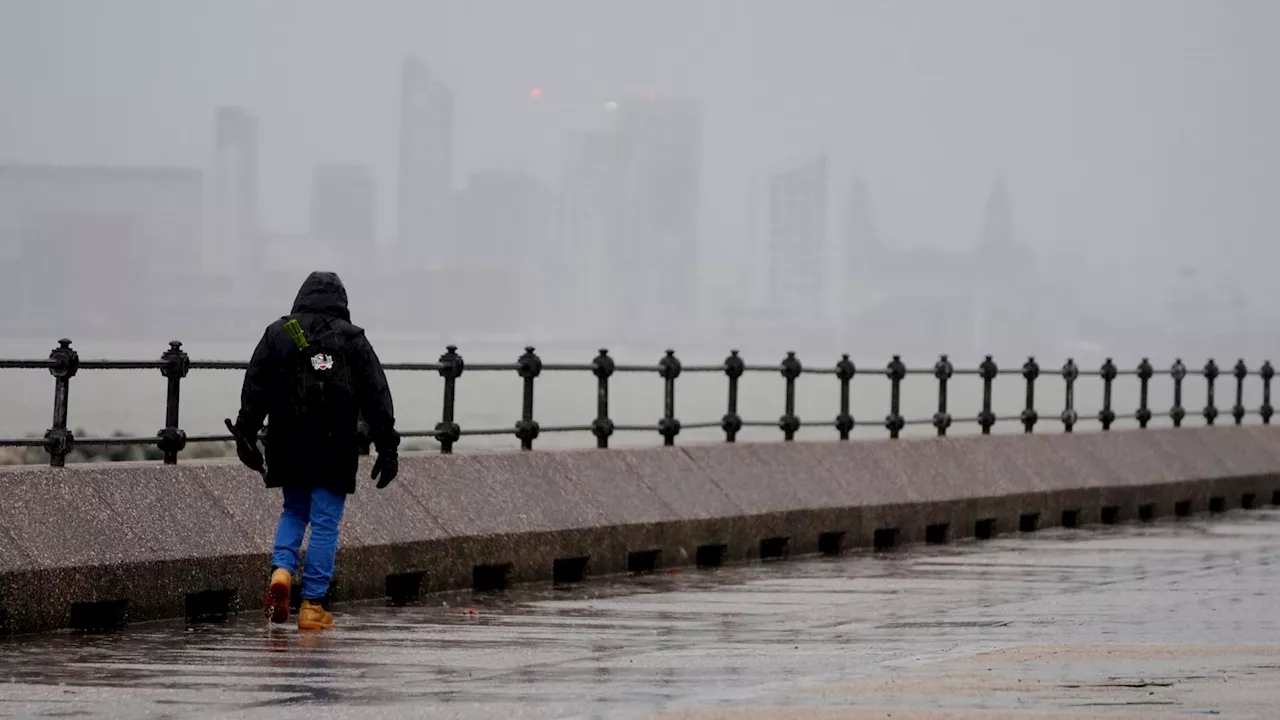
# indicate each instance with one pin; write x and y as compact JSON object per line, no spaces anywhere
{"x":1114,"y":177}
{"x":637,"y":176}
{"x":473,"y":248}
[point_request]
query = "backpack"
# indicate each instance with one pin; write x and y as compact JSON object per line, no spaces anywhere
{"x":323,"y":396}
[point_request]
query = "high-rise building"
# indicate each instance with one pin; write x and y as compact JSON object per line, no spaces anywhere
{"x":755,"y":260}
{"x":655,"y":249}
{"x":232,"y":215}
{"x":425,"y":167}
{"x":504,"y":218}
{"x":344,"y":213}
{"x":504,"y":221}
{"x":864,"y":259}
{"x":88,"y":248}
{"x":861,"y":228}
{"x":798,"y":243}
{"x":578,"y":257}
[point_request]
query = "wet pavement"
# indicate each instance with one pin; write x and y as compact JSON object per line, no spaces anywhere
{"x":1168,"y":619}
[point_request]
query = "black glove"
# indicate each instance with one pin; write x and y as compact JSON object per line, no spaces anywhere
{"x":387,"y":466}
{"x":251,"y":456}
{"x":247,"y":447}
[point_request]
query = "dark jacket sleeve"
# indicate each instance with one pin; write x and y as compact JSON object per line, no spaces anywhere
{"x":257,"y":392}
{"x":374,"y":395}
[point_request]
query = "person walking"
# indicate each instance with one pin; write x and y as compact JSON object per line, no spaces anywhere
{"x":313,"y":378}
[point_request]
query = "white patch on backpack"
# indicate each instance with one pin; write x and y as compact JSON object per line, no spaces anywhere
{"x":320,"y":361}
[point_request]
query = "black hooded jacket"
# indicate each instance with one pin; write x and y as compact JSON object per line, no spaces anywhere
{"x":295,"y":459}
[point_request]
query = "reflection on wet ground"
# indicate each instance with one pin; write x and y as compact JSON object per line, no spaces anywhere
{"x":1169,"y":619}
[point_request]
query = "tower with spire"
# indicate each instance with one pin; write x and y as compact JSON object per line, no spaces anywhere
{"x":1009,"y":313}
{"x":997,"y":220}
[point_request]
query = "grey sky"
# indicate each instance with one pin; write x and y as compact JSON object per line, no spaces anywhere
{"x":1125,"y":126}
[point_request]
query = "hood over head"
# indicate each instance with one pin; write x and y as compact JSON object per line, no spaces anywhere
{"x":322,"y":294}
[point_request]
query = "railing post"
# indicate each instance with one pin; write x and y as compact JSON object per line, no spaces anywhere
{"x":1177,"y":412}
{"x":845,"y":371}
{"x":789,"y":423}
{"x":943,"y":370}
{"x":1108,"y":415}
{"x":669,"y":426}
{"x":59,"y":441}
{"x":1266,"y":410}
{"x":1030,"y":371}
{"x":732,"y":422}
{"x":602,"y":426}
{"x":896,"y":371}
{"x":1145,"y":373}
{"x":1241,"y":372}
{"x":528,"y":366}
{"x":988,"y":371}
{"x":1070,"y":373}
{"x":451,"y":367}
{"x":1210,"y":375}
{"x":176,"y":366}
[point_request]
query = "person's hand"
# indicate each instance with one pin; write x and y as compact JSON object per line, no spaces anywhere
{"x":385,"y":469}
{"x":247,"y":447}
{"x":251,"y":456}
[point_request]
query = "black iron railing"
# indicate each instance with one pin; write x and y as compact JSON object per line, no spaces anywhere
{"x":174,"y":365}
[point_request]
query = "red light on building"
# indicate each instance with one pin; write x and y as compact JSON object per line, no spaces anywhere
{"x":649,"y":96}
{"x":535,"y":93}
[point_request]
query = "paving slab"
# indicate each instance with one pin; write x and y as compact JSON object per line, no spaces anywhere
{"x":1168,"y":619}
{"x":389,"y":516}
{"x":168,"y":510}
{"x":607,"y":480}
{"x":58,"y":520}
{"x":680,"y":483}
{"x":253,"y":507}
{"x":749,"y":479}
{"x":12,"y":556}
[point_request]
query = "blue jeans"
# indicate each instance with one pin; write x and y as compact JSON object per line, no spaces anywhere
{"x":323,"y":510}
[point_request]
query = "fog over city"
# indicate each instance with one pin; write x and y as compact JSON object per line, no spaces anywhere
{"x":1060,"y":178}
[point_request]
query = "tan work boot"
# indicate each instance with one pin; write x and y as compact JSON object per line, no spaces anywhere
{"x":311,"y":616}
{"x":278,"y":595}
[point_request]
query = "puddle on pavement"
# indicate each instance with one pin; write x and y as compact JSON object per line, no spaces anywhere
{"x":1083,"y":616}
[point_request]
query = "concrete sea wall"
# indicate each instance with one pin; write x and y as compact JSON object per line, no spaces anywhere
{"x":93,"y":546}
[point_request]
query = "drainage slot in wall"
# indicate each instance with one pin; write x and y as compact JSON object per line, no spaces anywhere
{"x":1248,"y":501}
{"x":1182,"y":508}
{"x":404,"y":588}
{"x":1275,"y":497}
{"x":1110,"y":514}
{"x":490,"y":578}
{"x":1147,"y":512}
{"x":936,"y":534}
{"x":985,"y":529}
{"x":1217,"y":504}
{"x":643,"y":561}
{"x":884,"y":538}
{"x":711,"y":556}
{"x":208,"y":605}
{"x":569,"y":570}
{"x":1029,"y":522}
{"x":775,"y":548}
{"x":1070,"y":519}
{"x":831,"y":543}
{"x":99,"y":616}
